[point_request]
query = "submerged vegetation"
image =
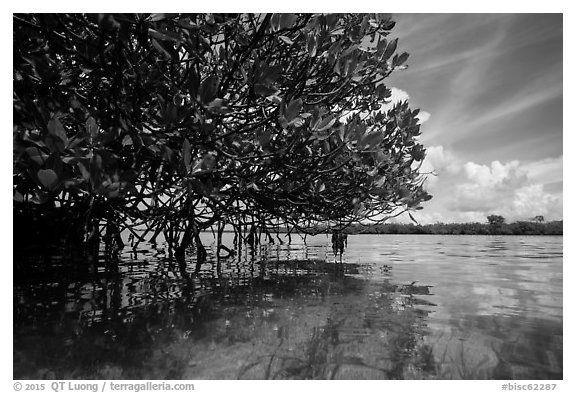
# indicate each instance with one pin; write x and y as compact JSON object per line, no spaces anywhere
{"x":174,"y":124}
{"x":295,"y":317}
{"x":188,"y":336}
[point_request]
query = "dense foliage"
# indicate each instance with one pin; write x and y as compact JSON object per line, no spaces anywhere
{"x":496,"y":220}
{"x":178,"y":123}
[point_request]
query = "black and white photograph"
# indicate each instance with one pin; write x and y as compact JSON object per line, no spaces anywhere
{"x":286,"y":196}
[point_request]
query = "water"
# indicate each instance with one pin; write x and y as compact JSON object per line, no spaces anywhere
{"x":396,"y":307}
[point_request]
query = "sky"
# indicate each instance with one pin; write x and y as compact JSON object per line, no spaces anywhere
{"x":490,"y":90}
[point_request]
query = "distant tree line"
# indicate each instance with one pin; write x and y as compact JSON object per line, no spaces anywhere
{"x":496,"y":225}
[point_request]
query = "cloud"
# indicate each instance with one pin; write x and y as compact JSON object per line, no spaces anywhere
{"x":545,"y":171}
{"x":398,"y":95}
{"x":497,"y":175}
{"x":467,"y":191}
{"x":440,"y":162}
{"x":507,"y":189}
{"x":533,"y":200}
{"x":423,"y":117}
{"x":494,"y":77}
{"x":493,"y":83}
{"x":520,"y":103}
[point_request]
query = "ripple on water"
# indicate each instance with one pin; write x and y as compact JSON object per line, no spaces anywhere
{"x":396,"y":307}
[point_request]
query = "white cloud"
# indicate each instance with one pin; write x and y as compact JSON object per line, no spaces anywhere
{"x":469,"y":192}
{"x":423,"y":116}
{"x":398,"y":95}
{"x":532,"y":200}
{"x":545,"y":171}
{"x":440,"y":162}
{"x":497,"y":175}
{"x":507,"y":189}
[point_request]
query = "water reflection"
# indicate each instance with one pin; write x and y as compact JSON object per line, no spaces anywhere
{"x":446,"y":309}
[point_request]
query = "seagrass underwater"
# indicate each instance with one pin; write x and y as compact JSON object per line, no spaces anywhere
{"x":456,"y":307}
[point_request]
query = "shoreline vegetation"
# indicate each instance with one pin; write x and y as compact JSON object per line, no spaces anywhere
{"x":526,"y":228}
{"x":468,"y":228}
{"x":474,"y":228}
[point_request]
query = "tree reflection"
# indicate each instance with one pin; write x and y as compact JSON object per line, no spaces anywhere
{"x":264,"y":317}
{"x":284,"y":319}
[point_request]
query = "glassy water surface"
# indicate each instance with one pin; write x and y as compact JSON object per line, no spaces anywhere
{"x":396,"y":306}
